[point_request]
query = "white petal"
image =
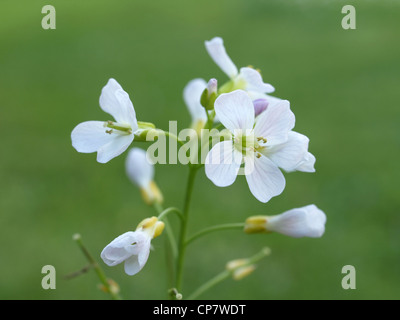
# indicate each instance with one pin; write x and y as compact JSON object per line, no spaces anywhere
{"x":308,"y":221}
{"x":275,"y":123}
{"x":235,"y":110}
{"x":135,"y":263}
{"x":290,"y":154}
{"x":264,"y":178}
{"x":254,"y":81}
{"x":215,"y":48}
{"x":115,"y":101}
{"x":90,"y":136}
{"x":138,"y":168}
{"x":191,"y":95}
{"x":122,"y":247}
{"x":222,"y":164}
{"x":307,"y":164}
{"x":115,"y":147}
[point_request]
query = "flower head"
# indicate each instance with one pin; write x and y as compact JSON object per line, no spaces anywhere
{"x":133,"y":247}
{"x":140,"y":171}
{"x":108,"y":138}
{"x":264,"y":144}
{"x":247,"y":78}
{"x":308,"y":221}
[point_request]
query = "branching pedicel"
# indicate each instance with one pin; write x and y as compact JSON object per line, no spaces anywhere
{"x":256,"y":140}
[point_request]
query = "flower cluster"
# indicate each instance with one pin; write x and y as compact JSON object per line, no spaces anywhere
{"x":257,"y":141}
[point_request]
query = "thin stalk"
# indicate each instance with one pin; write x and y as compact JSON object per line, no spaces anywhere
{"x":226,"y":226}
{"x":100,"y":273}
{"x":173,"y":136}
{"x":183,"y":232}
{"x":227,"y":273}
{"x":210,"y":283}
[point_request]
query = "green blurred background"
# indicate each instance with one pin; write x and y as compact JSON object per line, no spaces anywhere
{"x":344,"y":89}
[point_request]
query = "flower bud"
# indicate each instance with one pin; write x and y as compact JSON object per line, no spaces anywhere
{"x":308,"y":221}
{"x":240,"y":268}
{"x":260,"y":105}
{"x":209,"y":95}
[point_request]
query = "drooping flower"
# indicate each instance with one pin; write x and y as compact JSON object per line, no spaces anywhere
{"x":246,"y":78}
{"x":140,"y":171}
{"x":133,"y":247}
{"x":308,"y":221}
{"x":108,"y":138}
{"x":263,"y":144}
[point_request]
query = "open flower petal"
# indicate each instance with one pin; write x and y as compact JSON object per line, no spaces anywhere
{"x":307,"y":163}
{"x":235,"y":110}
{"x":114,"y":148}
{"x":115,"y":101}
{"x":191,"y":95}
{"x":90,"y":136}
{"x":136,"y":262}
{"x":275,"y":123}
{"x":264,"y":178}
{"x":216,"y":50}
{"x":254,"y":81}
{"x":290,"y":154}
{"x":222,"y":164}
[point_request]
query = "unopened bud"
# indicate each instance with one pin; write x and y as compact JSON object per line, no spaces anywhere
{"x":243,"y":272}
{"x":260,"y":105}
{"x":209,"y":95}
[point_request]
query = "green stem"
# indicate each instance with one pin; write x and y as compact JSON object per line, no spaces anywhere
{"x":173,"y":136}
{"x":170,"y":234}
{"x":227,"y":273}
{"x":226,"y":226}
{"x":182,"y":236}
{"x":97,"y":268}
{"x":164,"y":213}
{"x":210,"y":283}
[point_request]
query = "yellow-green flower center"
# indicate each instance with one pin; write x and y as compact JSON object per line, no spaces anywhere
{"x":248,"y":143}
{"x":119,"y":127}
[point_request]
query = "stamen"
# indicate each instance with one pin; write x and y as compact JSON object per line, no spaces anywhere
{"x":119,"y":127}
{"x":262,"y":139}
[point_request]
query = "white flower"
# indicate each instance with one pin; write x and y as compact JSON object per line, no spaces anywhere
{"x":133,"y":247}
{"x":191,"y":95}
{"x":247,"y":78}
{"x":109,"y":138}
{"x":308,"y":221}
{"x":140,"y":170}
{"x":263,"y":145}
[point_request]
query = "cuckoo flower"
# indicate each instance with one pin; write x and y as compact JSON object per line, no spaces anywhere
{"x":140,"y":171}
{"x":133,"y":247}
{"x":110,"y":138}
{"x":263,"y":144}
{"x":191,"y":95}
{"x":308,"y":221}
{"x":246,"y":78}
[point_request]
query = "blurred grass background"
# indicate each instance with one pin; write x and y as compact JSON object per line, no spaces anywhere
{"x":344,"y":89}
